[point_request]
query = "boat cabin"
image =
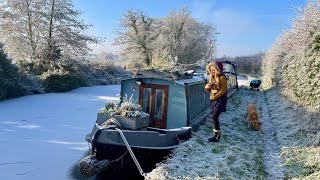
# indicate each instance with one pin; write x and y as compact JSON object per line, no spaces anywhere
{"x":172,"y":101}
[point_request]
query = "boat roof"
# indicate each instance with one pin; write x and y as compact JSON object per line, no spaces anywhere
{"x":194,"y":75}
{"x":194,"y":79}
{"x":186,"y":78}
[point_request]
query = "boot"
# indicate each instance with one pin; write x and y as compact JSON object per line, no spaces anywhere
{"x":216,"y":136}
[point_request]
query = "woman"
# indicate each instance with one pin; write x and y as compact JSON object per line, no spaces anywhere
{"x":217,"y":86}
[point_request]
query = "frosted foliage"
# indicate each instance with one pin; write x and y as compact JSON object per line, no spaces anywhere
{"x":14,"y":29}
{"x":184,"y":37}
{"x":95,"y":73}
{"x":137,"y":35}
{"x":28,"y":27}
{"x":155,"y":42}
{"x":294,"y":60}
{"x":229,"y":159}
{"x":127,"y":108}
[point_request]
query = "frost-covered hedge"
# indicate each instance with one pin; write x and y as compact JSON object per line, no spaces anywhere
{"x":35,"y":77}
{"x":97,"y":73}
{"x":301,"y":75}
{"x":72,"y":74}
{"x":59,"y":81}
{"x":294,"y":60}
{"x":14,"y":82}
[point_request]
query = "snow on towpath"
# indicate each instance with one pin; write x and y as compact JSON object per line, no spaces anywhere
{"x":242,"y":153}
{"x":272,"y":160}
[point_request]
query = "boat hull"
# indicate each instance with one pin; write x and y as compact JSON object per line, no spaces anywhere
{"x":150,"y":146}
{"x":149,"y":138}
{"x":123,"y":166}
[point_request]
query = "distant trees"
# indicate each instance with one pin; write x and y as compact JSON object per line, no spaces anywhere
{"x":42,"y":30}
{"x":294,"y":60}
{"x":159,"y":42}
{"x":249,"y":64}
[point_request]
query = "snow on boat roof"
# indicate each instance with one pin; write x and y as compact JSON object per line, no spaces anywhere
{"x":190,"y":80}
{"x":185,"y":78}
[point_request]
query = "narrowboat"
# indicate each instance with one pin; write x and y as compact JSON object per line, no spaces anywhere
{"x":175,"y":105}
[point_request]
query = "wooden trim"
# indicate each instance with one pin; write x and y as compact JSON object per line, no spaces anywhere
{"x":162,"y":123}
{"x":165,"y":107}
{"x":152,"y":103}
{"x":141,"y":92}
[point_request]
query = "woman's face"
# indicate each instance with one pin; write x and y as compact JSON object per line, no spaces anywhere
{"x":212,"y":70}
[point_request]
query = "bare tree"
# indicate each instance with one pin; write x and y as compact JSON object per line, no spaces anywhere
{"x":137,"y":35}
{"x":31,"y":28}
{"x":184,"y":40}
{"x":177,"y":37}
{"x":17,"y":28}
{"x":64,"y":29}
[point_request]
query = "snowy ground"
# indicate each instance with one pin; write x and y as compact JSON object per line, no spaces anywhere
{"x":42,"y":136}
{"x":242,"y":81}
{"x":242,"y":153}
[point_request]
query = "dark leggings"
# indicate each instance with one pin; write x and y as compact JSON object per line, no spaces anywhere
{"x":215,"y":118}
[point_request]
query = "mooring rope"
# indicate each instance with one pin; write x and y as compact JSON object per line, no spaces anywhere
{"x":131,"y":153}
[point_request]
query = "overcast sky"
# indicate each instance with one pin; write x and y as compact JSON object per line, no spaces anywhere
{"x":245,"y":27}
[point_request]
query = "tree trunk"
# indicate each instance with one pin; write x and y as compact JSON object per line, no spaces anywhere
{"x":33,"y":45}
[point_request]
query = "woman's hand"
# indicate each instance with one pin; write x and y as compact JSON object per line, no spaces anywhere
{"x":208,"y":87}
{"x":213,"y":97}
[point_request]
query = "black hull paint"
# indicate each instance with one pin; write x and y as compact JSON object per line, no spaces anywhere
{"x":125,"y":167}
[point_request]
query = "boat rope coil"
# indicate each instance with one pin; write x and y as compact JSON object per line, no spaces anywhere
{"x":131,"y":152}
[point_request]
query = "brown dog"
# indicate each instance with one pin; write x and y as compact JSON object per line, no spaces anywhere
{"x":253,"y":117}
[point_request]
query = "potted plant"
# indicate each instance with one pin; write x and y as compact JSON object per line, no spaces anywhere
{"x":128,"y":113}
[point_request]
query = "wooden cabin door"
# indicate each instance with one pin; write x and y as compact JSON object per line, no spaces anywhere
{"x":154,"y":100}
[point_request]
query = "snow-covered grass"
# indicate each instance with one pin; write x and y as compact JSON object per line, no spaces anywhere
{"x":239,"y":154}
{"x":298,"y":131}
{"x":287,"y":147}
{"x":302,"y":162}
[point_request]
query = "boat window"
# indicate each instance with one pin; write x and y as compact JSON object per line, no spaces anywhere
{"x":228,"y":68}
{"x":147,"y":100}
{"x":158,"y":103}
{"x":232,"y":69}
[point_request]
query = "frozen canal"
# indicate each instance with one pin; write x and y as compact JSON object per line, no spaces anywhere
{"x":42,"y":136}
